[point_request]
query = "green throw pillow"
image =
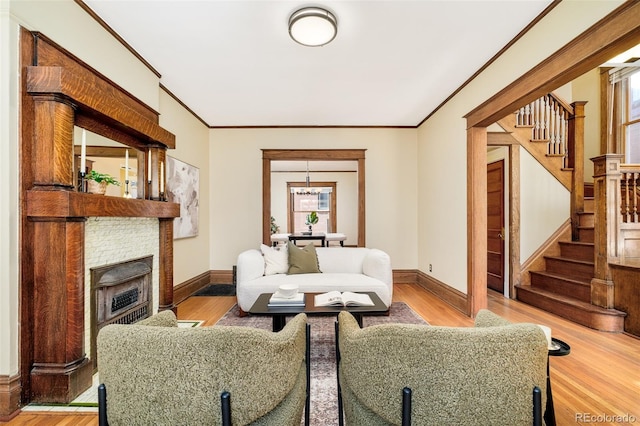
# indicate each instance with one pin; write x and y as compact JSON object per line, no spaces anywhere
{"x":302,"y":260}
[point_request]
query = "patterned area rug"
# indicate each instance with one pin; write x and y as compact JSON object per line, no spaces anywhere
{"x":324,"y":399}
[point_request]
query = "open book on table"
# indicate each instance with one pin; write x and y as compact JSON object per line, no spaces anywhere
{"x":347,"y":298}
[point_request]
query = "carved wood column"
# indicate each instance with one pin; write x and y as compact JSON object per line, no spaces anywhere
{"x":607,"y":193}
{"x":157,"y":159}
{"x":576,"y":161}
{"x":53,"y":142}
{"x":60,"y":370}
{"x":166,"y":264}
{"x":143,"y":174}
{"x":361,"y":204}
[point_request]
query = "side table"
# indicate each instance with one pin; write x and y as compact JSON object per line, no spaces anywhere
{"x":560,"y":349}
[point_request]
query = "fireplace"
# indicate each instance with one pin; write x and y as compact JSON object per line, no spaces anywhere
{"x":120,"y":294}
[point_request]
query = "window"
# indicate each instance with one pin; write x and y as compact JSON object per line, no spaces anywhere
{"x":624,"y":111}
{"x":319,"y":198}
{"x":631,"y":118}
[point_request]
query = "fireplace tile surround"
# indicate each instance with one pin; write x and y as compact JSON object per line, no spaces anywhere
{"x":111,"y":240}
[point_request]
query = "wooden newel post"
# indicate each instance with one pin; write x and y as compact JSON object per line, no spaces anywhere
{"x":607,"y":193}
{"x":576,"y":162}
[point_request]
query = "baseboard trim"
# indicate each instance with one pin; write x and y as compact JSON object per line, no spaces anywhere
{"x":221,"y":276}
{"x":10,"y":390}
{"x":453,"y":297}
{"x":183,"y":290}
{"x":405,"y":276}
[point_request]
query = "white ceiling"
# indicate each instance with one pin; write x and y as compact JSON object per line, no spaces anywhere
{"x":392,"y":63}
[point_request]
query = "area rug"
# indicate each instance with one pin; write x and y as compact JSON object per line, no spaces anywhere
{"x":217,"y":290}
{"x":324,"y":399}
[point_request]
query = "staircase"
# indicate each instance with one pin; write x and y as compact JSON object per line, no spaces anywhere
{"x":564,"y":287}
{"x":552,"y":131}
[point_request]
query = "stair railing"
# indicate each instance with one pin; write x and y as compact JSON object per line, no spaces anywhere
{"x":561,"y":126}
{"x":617,"y":222}
{"x":548,"y":118}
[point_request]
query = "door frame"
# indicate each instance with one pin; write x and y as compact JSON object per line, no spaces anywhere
{"x":500,"y":165}
{"x":269,"y":155}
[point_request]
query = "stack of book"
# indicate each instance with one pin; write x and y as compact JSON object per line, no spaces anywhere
{"x":277,"y":300}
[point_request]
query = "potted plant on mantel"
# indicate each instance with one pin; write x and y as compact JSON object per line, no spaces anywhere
{"x":97,"y":182}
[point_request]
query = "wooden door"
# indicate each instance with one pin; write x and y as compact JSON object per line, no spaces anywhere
{"x":495,"y":226}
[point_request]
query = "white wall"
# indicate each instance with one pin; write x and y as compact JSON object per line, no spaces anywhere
{"x":587,"y":88}
{"x":86,"y":39}
{"x":236,"y":186}
{"x":544,"y":205}
{"x":190,"y":255}
{"x":442,"y":158}
{"x":8,"y":193}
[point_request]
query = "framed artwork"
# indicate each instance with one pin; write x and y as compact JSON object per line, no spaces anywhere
{"x":183,"y":187}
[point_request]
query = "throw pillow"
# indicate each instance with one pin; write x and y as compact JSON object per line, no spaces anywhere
{"x":302,"y":260}
{"x":276,"y":259}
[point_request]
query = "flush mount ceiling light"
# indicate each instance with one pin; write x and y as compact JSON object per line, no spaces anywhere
{"x":313,"y":26}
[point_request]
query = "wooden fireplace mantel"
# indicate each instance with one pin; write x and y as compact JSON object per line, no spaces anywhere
{"x":58,"y":92}
{"x":78,"y":204}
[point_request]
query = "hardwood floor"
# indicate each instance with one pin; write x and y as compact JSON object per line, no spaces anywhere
{"x":598,"y":383}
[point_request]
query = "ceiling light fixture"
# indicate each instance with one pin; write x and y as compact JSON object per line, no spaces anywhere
{"x":307,"y":189}
{"x":313,"y":26}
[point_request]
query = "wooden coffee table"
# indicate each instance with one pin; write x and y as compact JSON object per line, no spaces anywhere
{"x":280,"y":313}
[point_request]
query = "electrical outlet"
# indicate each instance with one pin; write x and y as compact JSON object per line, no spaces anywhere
{"x":430,"y":268}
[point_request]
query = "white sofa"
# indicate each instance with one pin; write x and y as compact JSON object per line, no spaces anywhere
{"x":342,"y":269}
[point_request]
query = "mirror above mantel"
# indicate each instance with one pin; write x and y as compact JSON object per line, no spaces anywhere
{"x":108,"y":157}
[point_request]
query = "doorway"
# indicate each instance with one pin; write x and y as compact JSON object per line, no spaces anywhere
{"x":269,"y":155}
{"x":495,"y":226}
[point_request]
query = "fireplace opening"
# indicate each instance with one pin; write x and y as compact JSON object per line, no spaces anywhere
{"x":120,"y":294}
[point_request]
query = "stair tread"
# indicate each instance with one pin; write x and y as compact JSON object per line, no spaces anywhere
{"x":567,"y":300}
{"x":578,"y":243}
{"x":570,"y":260}
{"x":562,"y":277}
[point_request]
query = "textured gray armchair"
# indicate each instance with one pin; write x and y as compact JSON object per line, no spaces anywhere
{"x":158,"y":374}
{"x":482,"y":375}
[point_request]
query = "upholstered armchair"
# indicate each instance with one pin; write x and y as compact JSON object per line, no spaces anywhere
{"x":447,"y":375}
{"x":156,"y":373}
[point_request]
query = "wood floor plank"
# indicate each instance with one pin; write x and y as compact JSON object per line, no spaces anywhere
{"x":598,"y":380}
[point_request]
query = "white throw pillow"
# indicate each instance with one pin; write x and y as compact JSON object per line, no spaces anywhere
{"x":276,"y":259}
